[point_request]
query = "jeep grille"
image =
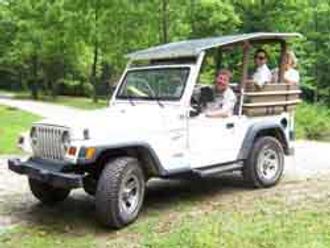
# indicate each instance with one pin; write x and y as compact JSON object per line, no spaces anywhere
{"x":47,"y":142}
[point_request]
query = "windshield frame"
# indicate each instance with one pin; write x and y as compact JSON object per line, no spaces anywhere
{"x":153,"y":68}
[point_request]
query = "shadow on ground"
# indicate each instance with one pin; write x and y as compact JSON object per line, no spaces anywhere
{"x":76,"y":215}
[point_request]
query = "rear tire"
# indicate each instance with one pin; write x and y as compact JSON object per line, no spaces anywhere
{"x":120,"y":192}
{"x":46,"y":193}
{"x":265,"y":164}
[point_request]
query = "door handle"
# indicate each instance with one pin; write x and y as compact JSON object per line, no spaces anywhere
{"x":230,"y":125}
{"x":181,"y":116}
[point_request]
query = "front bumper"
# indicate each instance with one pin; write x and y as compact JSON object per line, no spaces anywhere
{"x":47,"y":172}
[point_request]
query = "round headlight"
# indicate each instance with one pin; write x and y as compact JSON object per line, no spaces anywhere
{"x":66,"y":140}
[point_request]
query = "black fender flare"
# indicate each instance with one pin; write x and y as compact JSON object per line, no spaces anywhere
{"x":267,"y":128}
{"x":156,"y":165}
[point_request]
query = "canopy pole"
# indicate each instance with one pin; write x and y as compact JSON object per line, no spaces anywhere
{"x":284,"y":48}
{"x":218,"y":61}
{"x":245,"y":63}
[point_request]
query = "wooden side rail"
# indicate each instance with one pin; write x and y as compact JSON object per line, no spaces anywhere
{"x":271,"y":93}
{"x":271,"y":99}
{"x":271,"y":87}
{"x":271,"y":104}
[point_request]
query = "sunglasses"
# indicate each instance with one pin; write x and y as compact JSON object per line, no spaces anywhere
{"x":260,"y":58}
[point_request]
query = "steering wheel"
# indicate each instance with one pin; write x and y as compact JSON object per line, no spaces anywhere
{"x":148,"y":87}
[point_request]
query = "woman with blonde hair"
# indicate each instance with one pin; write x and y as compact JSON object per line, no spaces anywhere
{"x":291,"y":75}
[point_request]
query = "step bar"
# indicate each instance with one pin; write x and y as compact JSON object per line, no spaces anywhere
{"x":218,"y":169}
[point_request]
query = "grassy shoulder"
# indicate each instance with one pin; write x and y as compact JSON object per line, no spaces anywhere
{"x":283,"y":229}
{"x":13,"y":122}
{"x":39,"y":238}
{"x":298,"y":229}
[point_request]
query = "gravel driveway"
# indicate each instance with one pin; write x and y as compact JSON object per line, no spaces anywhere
{"x":47,"y":110}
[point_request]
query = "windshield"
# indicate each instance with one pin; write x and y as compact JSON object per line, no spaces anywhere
{"x":154,"y":84}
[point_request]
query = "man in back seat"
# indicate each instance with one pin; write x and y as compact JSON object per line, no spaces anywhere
{"x":262,"y":74}
{"x":225,"y":99}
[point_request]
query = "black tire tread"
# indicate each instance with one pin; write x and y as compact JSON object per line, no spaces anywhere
{"x":249,"y":172}
{"x":46,"y":193}
{"x":106,"y":196}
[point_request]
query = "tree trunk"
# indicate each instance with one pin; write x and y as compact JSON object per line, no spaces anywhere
{"x":165,"y":21}
{"x":95,"y":53}
{"x":94,"y":71}
{"x":34,"y":78}
{"x":316,"y":73}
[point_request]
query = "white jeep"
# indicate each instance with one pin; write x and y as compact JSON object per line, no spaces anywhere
{"x":155,"y":127}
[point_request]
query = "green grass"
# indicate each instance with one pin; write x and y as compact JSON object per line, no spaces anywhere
{"x":13,"y":122}
{"x":79,"y":102}
{"x":39,"y":238}
{"x":263,"y":224}
{"x":294,"y":229}
{"x":313,"y":122}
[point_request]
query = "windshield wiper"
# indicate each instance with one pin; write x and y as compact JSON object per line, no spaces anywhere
{"x":158,"y":101}
{"x":130,"y":99}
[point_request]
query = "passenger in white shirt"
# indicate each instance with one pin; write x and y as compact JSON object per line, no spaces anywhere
{"x":225,"y":99}
{"x":262,"y":75}
{"x":291,"y":75}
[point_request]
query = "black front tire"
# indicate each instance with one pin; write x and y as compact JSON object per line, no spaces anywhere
{"x":89,"y":185}
{"x":113,"y":190}
{"x":255,"y":167}
{"x":46,"y":193}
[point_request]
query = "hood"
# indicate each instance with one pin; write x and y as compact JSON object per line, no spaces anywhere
{"x":116,"y":120}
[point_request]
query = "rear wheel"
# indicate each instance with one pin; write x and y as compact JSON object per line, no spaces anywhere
{"x":120,"y":192}
{"x":265,"y":164}
{"x":46,"y":193}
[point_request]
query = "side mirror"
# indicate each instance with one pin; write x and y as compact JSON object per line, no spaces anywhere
{"x":194,"y":111}
{"x":195,"y":108}
{"x":112,"y":89}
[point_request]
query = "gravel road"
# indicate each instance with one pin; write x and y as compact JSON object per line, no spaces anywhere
{"x":47,"y":110}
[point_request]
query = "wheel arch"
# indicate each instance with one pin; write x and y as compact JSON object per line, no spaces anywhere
{"x":145,"y":154}
{"x":259,"y":130}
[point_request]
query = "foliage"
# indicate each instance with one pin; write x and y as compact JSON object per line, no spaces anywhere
{"x":313,"y":122}
{"x":46,"y":42}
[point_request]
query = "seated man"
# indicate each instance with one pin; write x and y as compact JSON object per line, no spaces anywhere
{"x":225,"y":99}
